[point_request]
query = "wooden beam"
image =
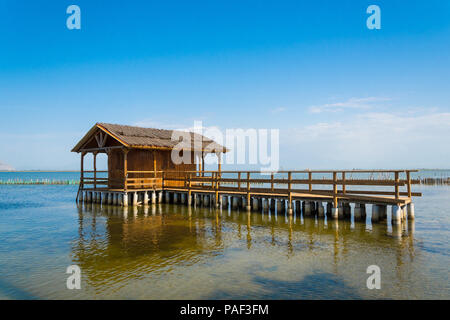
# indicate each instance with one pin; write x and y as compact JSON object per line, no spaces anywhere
{"x":397,"y":195}
{"x":82,"y":169}
{"x":219,"y":163}
{"x":95,"y":169}
{"x":408,"y":179}
{"x":203,"y":164}
{"x":335,"y":199}
{"x":125,"y":168}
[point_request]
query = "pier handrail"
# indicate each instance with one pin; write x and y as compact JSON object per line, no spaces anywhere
{"x":214,"y":181}
{"x":281,"y":182}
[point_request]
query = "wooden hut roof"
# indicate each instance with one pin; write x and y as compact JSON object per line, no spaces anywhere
{"x":149,"y":138}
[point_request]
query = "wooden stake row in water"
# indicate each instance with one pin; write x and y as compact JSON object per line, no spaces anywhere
{"x":39,"y":181}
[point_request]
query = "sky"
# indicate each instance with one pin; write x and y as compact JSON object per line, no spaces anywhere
{"x":341,"y":95}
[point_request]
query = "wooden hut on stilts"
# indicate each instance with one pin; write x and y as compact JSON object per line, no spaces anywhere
{"x":139,"y":160}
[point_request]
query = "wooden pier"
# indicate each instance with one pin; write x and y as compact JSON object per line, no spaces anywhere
{"x":283,"y":191}
{"x":141,"y":171}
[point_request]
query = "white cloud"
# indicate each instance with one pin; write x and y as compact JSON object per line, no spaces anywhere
{"x":278,"y":110}
{"x":352,"y":103}
{"x":375,"y":140}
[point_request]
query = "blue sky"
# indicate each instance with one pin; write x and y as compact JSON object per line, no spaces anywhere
{"x":343,"y":96}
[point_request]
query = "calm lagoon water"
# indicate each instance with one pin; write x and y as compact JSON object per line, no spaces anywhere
{"x":176,"y":252}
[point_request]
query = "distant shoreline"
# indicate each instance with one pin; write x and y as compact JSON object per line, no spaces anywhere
{"x":44,"y":171}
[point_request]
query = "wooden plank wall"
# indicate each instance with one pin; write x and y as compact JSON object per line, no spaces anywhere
{"x":143,"y":160}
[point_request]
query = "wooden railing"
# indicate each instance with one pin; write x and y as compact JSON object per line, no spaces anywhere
{"x":285,"y":182}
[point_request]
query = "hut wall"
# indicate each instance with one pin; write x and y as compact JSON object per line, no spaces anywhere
{"x":115,"y":169}
{"x":143,"y":160}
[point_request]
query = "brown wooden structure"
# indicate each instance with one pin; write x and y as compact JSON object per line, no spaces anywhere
{"x":140,"y":160}
{"x":138,"y":157}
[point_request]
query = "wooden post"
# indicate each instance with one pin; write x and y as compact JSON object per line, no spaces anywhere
{"x":217,"y":189}
{"x":289,"y":191}
{"x":125,"y":168}
{"x":154,"y":164}
{"x":82,"y":171}
{"x":203,"y":164}
{"x":189,"y":190}
{"x":271,"y":181}
{"x":335,"y":204}
{"x":248,"y":191}
{"x":408,"y":179}
{"x":343,"y":182}
{"x":397,"y":194}
{"x":310,"y":180}
{"x":289,"y":181}
{"x":219,"y":163}
{"x":95,"y":170}
{"x":239,"y":180}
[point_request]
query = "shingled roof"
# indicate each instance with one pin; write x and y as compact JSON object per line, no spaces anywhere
{"x":149,"y":138}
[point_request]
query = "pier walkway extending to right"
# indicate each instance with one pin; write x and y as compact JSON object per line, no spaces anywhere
{"x":279,"y":191}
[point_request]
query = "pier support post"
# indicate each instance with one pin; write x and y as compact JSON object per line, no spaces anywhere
{"x":104,"y":198}
{"x":145,"y":198}
{"x":357,"y":212}
{"x":404,"y":213}
{"x":307,"y":210}
{"x":255,"y":204}
{"x":410,"y":211}
{"x":125,"y":199}
{"x":298,"y":206}
{"x":206,"y":201}
{"x":134,"y":201}
{"x":290,"y":211}
{"x":166,"y":196}
{"x":154,"y":197}
{"x":347,"y":210}
{"x":234,"y":202}
{"x":265,"y":204}
{"x":396,"y":214}
{"x":80,"y":198}
{"x":272,"y":204}
{"x":278,"y":205}
{"x":320,"y":209}
{"x":175,"y":197}
{"x":375,"y":213}
{"x":341,"y":210}
{"x":224,"y":201}
{"x":160,"y":197}
{"x":335,"y":213}
{"x":329,"y":207}
{"x":383,"y":212}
